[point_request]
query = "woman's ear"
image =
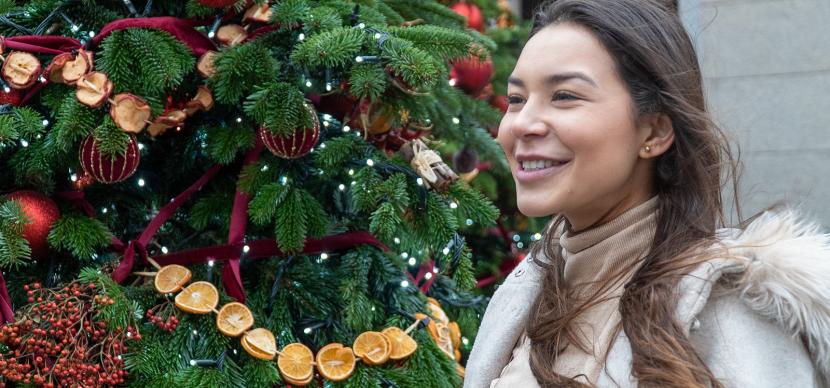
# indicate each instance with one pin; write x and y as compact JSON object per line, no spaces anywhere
{"x":658,"y":134}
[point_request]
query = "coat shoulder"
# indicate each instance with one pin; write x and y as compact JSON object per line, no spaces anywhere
{"x":775,"y":276}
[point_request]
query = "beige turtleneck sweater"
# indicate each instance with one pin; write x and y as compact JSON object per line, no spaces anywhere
{"x":592,"y":257}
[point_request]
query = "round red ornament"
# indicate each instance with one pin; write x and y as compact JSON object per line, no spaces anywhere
{"x":13,"y":97}
{"x":41,"y":213}
{"x":499,"y":102}
{"x":217,"y":3}
{"x":472,"y":13}
{"x":295,"y":145}
{"x":471,"y":74}
{"x":107,"y":169}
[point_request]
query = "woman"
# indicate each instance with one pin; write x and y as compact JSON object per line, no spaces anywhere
{"x":633,"y":283}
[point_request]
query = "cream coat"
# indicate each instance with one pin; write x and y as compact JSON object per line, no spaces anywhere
{"x":770,"y":328}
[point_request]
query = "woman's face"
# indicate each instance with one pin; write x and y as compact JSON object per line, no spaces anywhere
{"x":570,"y":133}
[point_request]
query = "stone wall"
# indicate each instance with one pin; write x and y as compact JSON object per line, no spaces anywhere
{"x":767,"y":69}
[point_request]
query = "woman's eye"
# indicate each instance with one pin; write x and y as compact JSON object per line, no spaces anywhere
{"x":514,"y":100}
{"x":564,"y":96}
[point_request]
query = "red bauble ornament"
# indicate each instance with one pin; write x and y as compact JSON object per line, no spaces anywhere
{"x":13,"y":97}
{"x":295,"y":145}
{"x":106,"y":169}
{"x":472,"y":13}
{"x":42,"y":213}
{"x":471,"y":74}
{"x":217,"y":3}
{"x":500,"y":103}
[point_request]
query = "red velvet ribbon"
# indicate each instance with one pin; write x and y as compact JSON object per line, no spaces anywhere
{"x":42,"y":44}
{"x":6,"y":312}
{"x":126,"y":266}
{"x":231,"y":278}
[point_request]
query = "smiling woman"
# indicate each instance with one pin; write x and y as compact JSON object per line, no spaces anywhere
{"x":636,"y":281}
{"x":571,"y":114}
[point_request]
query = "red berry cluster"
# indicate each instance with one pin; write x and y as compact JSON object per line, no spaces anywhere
{"x":164,"y":317}
{"x":60,"y":340}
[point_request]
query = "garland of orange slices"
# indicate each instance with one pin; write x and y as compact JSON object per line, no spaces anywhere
{"x":295,"y":361}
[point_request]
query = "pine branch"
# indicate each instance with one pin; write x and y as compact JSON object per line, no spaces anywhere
{"x":239,"y":69}
{"x":330,"y":49}
{"x":288,"y":13}
{"x":473,"y":205}
{"x":263,"y":207}
{"x":336,"y":152}
{"x":322,"y":18}
{"x":14,"y":249}
{"x":430,"y":11}
{"x":79,"y":235}
{"x":112,"y":141}
{"x":73,"y":123}
{"x":226,"y":142}
{"x":444,"y":42}
{"x":367,"y":81}
{"x":292,"y":222}
{"x":418,"y":68}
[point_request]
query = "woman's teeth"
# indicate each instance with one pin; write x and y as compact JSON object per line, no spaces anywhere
{"x":538,"y":164}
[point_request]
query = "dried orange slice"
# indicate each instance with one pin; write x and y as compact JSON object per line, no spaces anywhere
{"x":198,"y":298}
{"x":260,"y":343}
{"x":295,"y":364}
{"x":402,"y":344}
{"x":234,"y":318}
{"x":335,"y":362}
{"x":372,"y":347}
{"x":171,"y":278}
{"x":433,"y":330}
{"x":455,"y":334}
{"x":300,"y":383}
{"x":436,"y":311}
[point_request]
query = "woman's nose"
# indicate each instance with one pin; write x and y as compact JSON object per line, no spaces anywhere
{"x":529,"y":122}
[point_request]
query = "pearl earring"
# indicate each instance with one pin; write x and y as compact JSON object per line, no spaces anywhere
{"x":647,"y":148}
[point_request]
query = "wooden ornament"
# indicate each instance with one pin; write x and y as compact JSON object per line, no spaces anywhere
{"x":429,"y":165}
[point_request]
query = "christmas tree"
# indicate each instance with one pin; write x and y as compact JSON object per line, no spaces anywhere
{"x":237,"y":193}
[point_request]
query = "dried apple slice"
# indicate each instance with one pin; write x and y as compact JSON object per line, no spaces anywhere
{"x":129,"y":112}
{"x":93,"y":89}
{"x":20,"y":70}
{"x":81,"y":64}
{"x":55,"y":69}
{"x":258,"y":13}
{"x":158,"y":128}
{"x":205,"y":66}
{"x":173,"y":118}
{"x":202,"y":101}
{"x":231,"y":34}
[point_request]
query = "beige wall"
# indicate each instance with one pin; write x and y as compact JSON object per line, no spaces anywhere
{"x":767,"y":70}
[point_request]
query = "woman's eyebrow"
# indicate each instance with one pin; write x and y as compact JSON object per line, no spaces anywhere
{"x":556,"y":78}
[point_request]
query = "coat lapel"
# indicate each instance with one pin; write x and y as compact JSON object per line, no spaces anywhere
{"x":502,"y":325}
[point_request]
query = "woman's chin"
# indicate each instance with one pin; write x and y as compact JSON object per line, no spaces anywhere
{"x":535,"y":208}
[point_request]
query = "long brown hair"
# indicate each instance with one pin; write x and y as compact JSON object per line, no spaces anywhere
{"x":654,"y":56}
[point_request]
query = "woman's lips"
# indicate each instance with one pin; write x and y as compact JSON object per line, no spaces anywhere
{"x":530,"y":176}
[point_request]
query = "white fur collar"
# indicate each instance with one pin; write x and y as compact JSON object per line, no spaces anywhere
{"x":784,"y":266}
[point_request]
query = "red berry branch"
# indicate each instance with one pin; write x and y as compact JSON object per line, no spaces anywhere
{"x":60,"y":339}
